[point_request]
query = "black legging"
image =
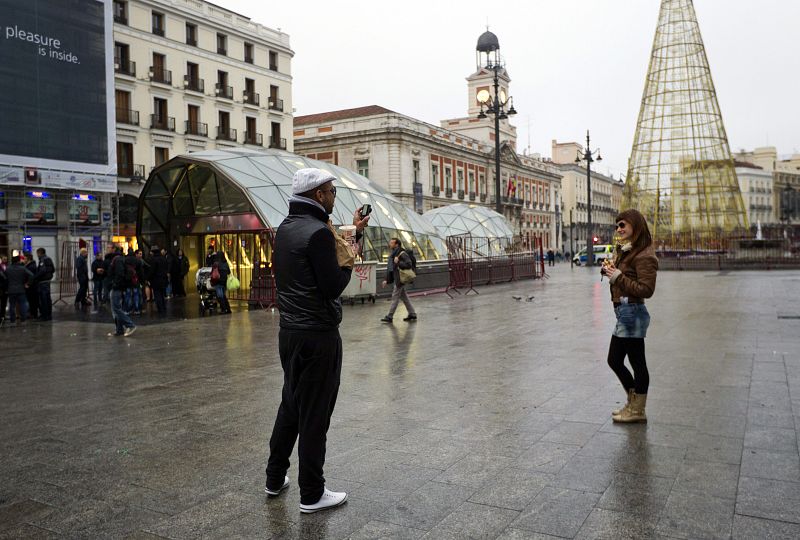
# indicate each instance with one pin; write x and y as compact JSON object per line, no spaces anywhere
{"x":634,"y":349}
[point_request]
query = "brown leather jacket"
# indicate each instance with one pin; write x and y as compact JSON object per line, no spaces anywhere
{"x":638,"y":278}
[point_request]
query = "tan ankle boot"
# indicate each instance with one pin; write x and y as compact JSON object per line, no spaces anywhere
{"x":634,"y":412}
{"x":627,"y":404}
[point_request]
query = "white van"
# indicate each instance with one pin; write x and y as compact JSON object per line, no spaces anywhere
{"x":601,"y":252}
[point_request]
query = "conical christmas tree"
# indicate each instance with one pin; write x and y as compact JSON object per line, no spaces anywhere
{"x":681,"y":175}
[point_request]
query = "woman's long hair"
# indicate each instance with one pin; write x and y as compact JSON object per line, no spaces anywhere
{"x":641,"y":238}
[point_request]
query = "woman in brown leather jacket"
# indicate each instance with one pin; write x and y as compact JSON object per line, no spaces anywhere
{"x":633,"y":278}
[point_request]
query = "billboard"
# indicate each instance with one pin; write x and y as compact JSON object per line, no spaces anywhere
{"x":57,"y":123}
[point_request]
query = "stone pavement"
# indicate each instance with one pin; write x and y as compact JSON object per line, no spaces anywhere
{"x":487,"y":419}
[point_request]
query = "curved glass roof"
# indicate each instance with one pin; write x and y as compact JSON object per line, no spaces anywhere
{"x":462,"y":218}
{"x":244,"y":182}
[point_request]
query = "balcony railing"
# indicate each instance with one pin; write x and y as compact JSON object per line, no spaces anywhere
{"x":273,"y":67}
{"x":167,"y":123}
{"x":276,"y":104}
{"x":277,"y":142}
{"x":195,"y":84}
{"x":129,"y":170}
{"x":461,"y":194}
{"x":191,"y":41}
{"x":224,"y":91}
{"x":472,"y":195}
{"x":128,"y":116}
{"x":448,"y":192}
{"x":160,"y":75}
{"x":196,"y":128}
{"x":251,"y":97}
{"x":249,"y":59}
{"x":435,"y":190}
{"x":483,"y":197}
{"x":121,"y":19}
{"x":125,"y":67}
{"x":158,"y":31}
{"x":253,"y":138}
{"x":222,"y":50}
{"x":226,"y":134}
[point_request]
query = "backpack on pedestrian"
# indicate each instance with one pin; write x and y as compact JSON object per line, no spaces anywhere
{"x":215,"y":275}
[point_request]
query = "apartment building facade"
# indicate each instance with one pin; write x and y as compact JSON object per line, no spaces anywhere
{"x":193,"y":76}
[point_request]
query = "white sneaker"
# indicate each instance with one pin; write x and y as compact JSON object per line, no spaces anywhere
{"x":274,"y":492}
{"x":329,"y":499}
{"x":130,"y":330}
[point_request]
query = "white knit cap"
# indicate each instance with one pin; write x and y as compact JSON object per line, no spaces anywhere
{"x":308,"y":179}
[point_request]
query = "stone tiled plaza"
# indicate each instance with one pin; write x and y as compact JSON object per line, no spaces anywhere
{"x":489,"y":418}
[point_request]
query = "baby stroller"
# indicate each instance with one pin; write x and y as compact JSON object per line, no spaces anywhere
{"x":208,"y":295}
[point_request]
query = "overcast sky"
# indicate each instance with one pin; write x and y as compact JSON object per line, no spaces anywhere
{"x":574,"y":64}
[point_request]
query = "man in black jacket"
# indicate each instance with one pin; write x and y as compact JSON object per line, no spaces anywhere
{"x":159,"y":278}
{"x":44,"y":274}
{"x":312,"y":267}
{"x":32,"y":291}
{"x":82,"y":273}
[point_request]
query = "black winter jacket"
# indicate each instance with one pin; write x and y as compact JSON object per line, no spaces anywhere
{"x":17,"y":276}
{"x":307,"y":274}
{"x":159,"y":268}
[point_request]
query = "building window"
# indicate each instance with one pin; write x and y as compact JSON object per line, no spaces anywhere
{"x":223,"y":90}
{"x":276,"y":141}
{"x":482,"y":182}
{"x":191,"y":34}
{"x":250,"y":95}
{"x":222,"y":43}
{"x":434,"y":177}
{"x":158,"y":71}
{"x":448,"y":177}
{"x":275,"y":103}
{"x":120,"y":12}
{"x":248,"y":53}
{"x":122,"y":60}
{"x":124,"y":159}
{"x":193,"y":80}
{"x":273,"y":60}
{"x":362,"y":166}
{"x":459,"y":180}
{"x":161,"y":155}
{"x":471,"y":179}
{"x":250,"y":135}
{"x":415,"y":168}
{"x":158,"y":23}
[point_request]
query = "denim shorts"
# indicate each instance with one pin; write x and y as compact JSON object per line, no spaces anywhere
{"x":632,"y":321}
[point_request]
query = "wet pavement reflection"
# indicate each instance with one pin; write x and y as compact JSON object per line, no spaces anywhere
{"x":489,"y":417}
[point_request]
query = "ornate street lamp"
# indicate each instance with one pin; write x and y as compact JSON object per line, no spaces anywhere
{"x":488,"y":57}
{"x":588,"y":158}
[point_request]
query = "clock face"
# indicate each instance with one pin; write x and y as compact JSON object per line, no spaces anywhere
{"x":502,"y":95}
{"x":483,"y":96}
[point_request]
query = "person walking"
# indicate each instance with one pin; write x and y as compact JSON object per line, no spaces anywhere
{"x":120,"y":275}
{"x":82,"y":273}
{"x":18,"y":279}
{"x":45,"y":271}
{"x":32,"y":291}
{"x":177,"y":272}
{"x":551,"y":257}
{"x":133,"y":294}
{"x":159,"y":278}
{"x":313,"y":265}
{"x":98,"y":273}
{"x":221,"y":285}
{"x":399,"y":259}
{"x":632,"y":276}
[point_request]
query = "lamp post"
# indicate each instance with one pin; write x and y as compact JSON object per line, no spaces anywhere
{"x":588,"y":157}
{"x":571,"y":234}
{"x":488,"y":57}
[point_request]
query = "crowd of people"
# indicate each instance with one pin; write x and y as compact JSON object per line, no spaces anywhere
{"x":25,"y":287}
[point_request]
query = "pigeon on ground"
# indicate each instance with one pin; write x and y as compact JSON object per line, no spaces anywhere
{"x":517,"y":298}
{"x":529,"y":299}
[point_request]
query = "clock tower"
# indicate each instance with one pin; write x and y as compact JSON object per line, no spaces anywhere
{"x":480,"y":89}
